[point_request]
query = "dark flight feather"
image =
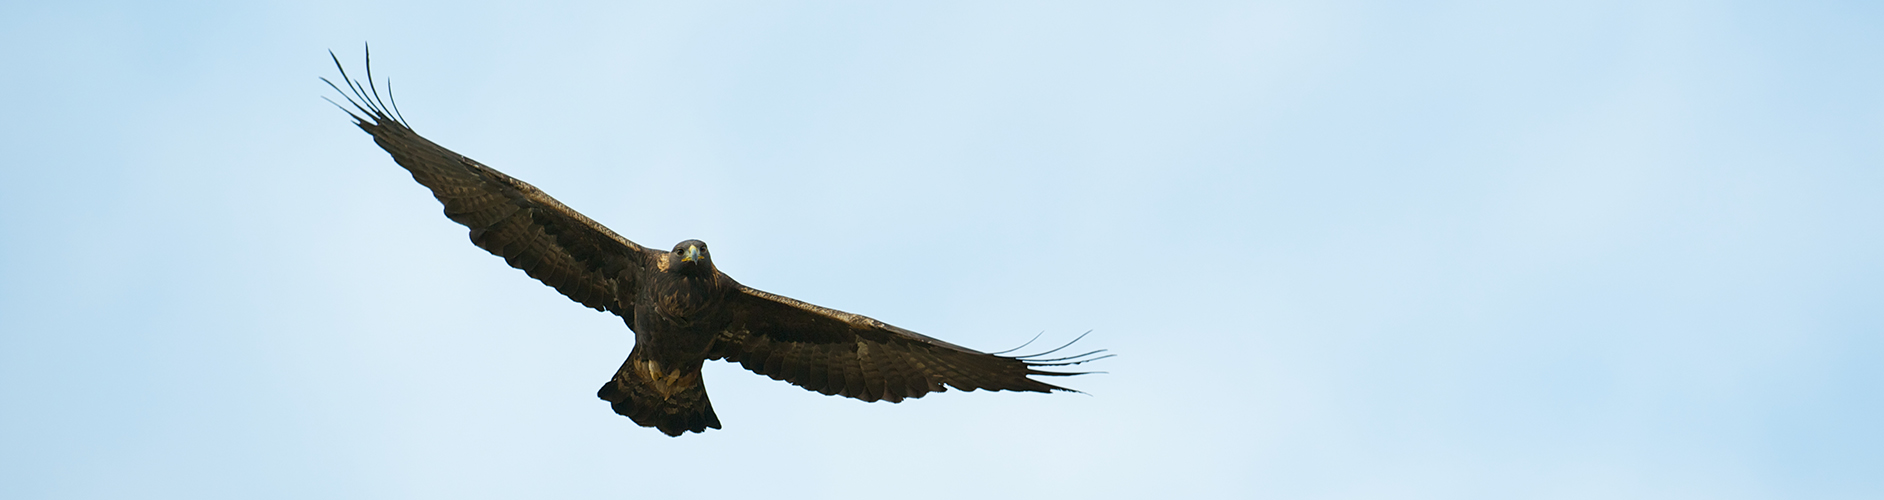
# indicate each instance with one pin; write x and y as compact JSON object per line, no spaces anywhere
{"x":682,"y":309}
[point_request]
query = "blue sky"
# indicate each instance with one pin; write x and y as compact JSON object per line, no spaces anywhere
{"x":1343,"y":249}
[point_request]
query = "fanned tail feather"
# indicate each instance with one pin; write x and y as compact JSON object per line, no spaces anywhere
{"x":673,"y":401}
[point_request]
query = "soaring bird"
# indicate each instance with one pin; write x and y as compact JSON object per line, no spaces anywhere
{"x":682,"y":309}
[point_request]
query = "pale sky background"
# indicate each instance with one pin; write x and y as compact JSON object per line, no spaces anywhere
{"x":1450,"y":250}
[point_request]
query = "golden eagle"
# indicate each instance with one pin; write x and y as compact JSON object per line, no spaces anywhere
{"x":682,"y":309}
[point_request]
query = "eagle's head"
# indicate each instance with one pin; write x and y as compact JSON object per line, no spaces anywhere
{"x":689,"y":257}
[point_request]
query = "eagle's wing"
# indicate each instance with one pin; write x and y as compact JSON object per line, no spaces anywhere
{"x":508,"y":217}
{"x":835,"y":352}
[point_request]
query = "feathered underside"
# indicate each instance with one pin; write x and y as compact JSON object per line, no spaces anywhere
{"x":507,"y":217}
{"x":839,"y":353}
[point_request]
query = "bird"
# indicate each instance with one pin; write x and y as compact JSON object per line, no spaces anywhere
{"x":682,"y":309}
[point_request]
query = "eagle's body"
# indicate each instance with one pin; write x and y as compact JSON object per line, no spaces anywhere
{"x":676,"y":313}
{"x":682,"y":309}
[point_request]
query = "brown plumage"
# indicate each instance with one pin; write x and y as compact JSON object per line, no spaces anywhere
{"x":682,"y":309}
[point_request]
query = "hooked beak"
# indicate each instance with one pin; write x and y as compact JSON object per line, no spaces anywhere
{"x":693,"y":254}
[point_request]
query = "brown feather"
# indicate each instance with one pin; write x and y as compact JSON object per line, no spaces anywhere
{"x":879,"y":361}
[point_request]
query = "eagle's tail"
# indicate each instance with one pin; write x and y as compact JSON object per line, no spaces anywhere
{"x":672,"y":399}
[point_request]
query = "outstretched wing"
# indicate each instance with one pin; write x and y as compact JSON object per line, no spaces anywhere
{"x":508,"y":217}
{"x":839,"y":353}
